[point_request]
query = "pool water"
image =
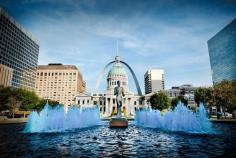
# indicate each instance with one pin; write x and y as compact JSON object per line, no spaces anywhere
{"x":101,"y":141}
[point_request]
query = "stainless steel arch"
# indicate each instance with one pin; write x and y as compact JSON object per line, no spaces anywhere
{"x":130,"y":69}
{"x":101,"y":75}
{"x":134,"y":77}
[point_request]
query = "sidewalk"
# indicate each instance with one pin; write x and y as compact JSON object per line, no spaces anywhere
{"x":13,"y":121}
{"x":223,"y":120}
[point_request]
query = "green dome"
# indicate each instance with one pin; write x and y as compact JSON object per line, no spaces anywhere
{"x":117,"y":71}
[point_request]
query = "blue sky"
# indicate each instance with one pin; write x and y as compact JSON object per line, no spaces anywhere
{"x":166,"y":34}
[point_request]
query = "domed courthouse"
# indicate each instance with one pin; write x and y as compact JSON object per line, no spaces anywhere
{"x":106,"y":101}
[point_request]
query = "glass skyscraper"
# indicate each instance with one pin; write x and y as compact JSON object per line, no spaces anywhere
{"x":222,"y":52}
{"x":18,"y":51}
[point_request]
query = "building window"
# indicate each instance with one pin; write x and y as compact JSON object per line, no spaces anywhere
{"x":83,"y":102}
{"x":134,"y":102}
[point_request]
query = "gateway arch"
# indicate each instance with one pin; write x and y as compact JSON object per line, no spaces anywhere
{"x":129,"y":68}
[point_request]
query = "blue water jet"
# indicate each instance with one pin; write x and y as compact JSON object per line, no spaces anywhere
{"x":56,"y":119}
{"x":179,"y":119}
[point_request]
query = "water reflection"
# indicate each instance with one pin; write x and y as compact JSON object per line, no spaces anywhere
{"x":101,"y":141}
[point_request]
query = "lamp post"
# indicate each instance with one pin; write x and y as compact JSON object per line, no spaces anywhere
{"x":101,"y":100}
{"x":46,"y":100}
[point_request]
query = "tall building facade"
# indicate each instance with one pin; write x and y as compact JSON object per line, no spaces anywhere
{"x":59,"y":82}
{"x":222,"y":52}
{"x":154,"y":80}
{"x":19,"y":51}
{"x":6,"y":74}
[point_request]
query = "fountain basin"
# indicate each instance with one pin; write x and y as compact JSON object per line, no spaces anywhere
{"x":101,"y":141}
{"x":118,"y":122}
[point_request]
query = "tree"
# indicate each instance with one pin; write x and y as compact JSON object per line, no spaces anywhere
{"x":159,"y":101}
{"x":43,"y":102}
{"x":176,"y":100}
{"x":29,"y":100}
{"x":11,"y":98}
{"x":221,"y":95}
{"x":183,"y":100}
{"x":13,"y":103}
{"x":224,"y":95}
{"x":5,"y":93}
{"x":200,"y":95}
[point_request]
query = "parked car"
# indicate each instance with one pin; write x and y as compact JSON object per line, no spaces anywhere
{"x":228,"y":115}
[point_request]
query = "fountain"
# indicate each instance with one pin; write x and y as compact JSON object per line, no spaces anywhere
{"x":56,"y":119}
{"x":179,"y":119}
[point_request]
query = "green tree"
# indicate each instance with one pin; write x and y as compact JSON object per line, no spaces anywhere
{"x":200,"y":95}
{"x":13,"y":103}
{"x":183,"y":100}
{"x":29,"y":100}
{"x":224,"y":95}
{"x":159,"y":101}
{"x":221,"y":95}
{"x":5,"y":93}
{"x":43,"y":102}
{"x":176,"y":100}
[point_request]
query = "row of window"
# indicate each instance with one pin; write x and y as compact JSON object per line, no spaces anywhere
{"x":55,"y":88}
{"x":17,"y":45}
{"x":115,"y":83}
{"x":25,"y":57}
{"x":82,"y":102}
{"x":52,"y":74}
{"x":6,"y":24}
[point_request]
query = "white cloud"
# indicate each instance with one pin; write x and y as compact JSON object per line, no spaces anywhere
{"x":88,"y":41}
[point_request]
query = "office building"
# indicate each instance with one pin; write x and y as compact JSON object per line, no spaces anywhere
{"x":222,"y":52}
{"x":6,"y":74}
{"x":59,"y":82}
{"x":186,"y":90}
{"x":18,"y":51}
{"x":154,"y":80}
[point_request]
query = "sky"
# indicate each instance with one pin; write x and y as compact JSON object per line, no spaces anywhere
{"x":167,"y":34}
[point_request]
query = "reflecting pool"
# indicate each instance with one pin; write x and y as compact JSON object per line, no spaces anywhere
{"x":101,"y":141}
